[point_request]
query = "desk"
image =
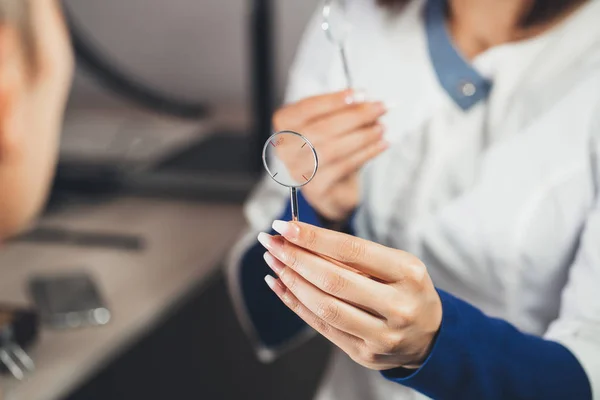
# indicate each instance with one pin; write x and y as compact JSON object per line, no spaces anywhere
{"x":184,"y":244}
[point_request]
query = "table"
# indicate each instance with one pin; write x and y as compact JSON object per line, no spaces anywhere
{"x":184,"y":244}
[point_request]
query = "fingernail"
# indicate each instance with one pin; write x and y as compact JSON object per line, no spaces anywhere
{"x":266,"y":240}
{"x":356,"y":96}
{"x":384,"y":144}
{"x":380,"y":107}
{"x":270,"y":281}
{"x":288,"y":230}
{"x":379,"y":128}
{"x":272,"y":263}
{"x":275,"y":285}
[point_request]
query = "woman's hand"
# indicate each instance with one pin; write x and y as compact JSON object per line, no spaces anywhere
{"x":375,"y":303}
{"x":345,"y":134}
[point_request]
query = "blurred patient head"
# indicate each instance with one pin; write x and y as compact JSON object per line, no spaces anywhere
{"x":35,"y":74}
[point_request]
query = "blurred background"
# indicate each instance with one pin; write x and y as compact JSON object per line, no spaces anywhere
{"x":168,"y":112}
{"x":215,"y":64}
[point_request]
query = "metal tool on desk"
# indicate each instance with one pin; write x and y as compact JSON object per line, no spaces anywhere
{"x":18,"y":329}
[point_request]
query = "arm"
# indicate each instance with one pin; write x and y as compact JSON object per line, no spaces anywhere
{"x":476,"y":356}
{"x":268,"y":322}
{"x":274,"y":323}
{"x":427,"y":339}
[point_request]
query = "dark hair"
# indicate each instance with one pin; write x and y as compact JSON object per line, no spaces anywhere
{"x":541,"y":10}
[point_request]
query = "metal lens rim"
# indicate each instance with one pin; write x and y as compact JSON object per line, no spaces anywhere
{"x":312,"y":149}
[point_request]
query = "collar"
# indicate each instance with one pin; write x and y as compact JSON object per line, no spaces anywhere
{"x":457,"y":76}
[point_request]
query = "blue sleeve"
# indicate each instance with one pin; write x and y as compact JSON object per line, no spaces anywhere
{"x":274,"y":323}
{"x":478,"y":357}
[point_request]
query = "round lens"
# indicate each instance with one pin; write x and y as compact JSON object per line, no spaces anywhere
{"x":290,"y":159}
{"x":335,"y":24}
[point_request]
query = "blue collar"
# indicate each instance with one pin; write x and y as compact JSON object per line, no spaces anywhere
{"x":456,"y":75}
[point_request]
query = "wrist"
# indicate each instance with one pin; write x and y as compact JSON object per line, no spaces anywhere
{"x":423,"y":354}
{"x":430,"y":329}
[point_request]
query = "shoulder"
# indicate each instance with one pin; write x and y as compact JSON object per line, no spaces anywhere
{"x":567,"y":92}
{"x":575,"y":101}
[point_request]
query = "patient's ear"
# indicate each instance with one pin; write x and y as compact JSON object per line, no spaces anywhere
{"x":12,"y":73}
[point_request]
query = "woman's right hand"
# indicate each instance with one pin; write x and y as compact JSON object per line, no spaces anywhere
{"x":346,"y":134}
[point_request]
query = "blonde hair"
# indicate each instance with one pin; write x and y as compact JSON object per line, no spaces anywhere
{"x":17,"y":13}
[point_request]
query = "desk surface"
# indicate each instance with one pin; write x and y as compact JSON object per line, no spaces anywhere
{"x":184,"y":244}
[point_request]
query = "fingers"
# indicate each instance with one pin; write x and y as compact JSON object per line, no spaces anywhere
{"x":346,"y":120}
{"x":312,"y":108}
{"x":346,"y":145}
{"x":345,"y":156}
{"x":343,"y":340}
{"x":345,"y":166}
{"x":325,"y":118}
{"x":385,"y":350}
{"x":328,"y":114}
{"x":327,"y":308}
{"x":353,"y":163}
{"x":330,"y":278}
{"x":387,"y":264}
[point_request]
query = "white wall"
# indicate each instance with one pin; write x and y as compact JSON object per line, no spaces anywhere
{"x":195,"y":49}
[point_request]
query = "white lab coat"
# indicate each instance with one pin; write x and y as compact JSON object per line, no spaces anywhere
{"x":501,"y":202}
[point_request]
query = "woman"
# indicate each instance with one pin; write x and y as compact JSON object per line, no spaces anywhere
{"x":477,"y":194}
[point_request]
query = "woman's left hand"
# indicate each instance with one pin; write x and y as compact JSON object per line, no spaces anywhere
{"x":375,"y":303}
